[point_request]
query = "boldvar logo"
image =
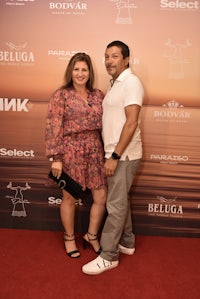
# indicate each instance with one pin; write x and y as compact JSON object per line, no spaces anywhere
{"x":173,"y":112}
{"x":68,"y":8}
{"x":16,"y":55}
{"x":179,"y":5}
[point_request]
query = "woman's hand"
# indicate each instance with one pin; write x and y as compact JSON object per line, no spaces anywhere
{"x":56,"y":168}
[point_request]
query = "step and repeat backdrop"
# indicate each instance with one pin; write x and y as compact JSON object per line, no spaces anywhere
{"x":38,"y":37}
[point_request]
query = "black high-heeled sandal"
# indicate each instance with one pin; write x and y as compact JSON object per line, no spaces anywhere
{"x":69,"y":238}
{"x":91,"y":237}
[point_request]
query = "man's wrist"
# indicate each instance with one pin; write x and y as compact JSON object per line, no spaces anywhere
{"x":115,"y":156}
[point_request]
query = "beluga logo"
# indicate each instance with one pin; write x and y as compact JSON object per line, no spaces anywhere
{"x":165,"y":207}
{"x":16,"y":55}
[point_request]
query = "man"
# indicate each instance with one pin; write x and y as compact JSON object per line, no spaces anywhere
{"x":123,"y":152}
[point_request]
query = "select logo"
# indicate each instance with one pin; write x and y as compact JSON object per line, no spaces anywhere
{"x":14,"y":153}
{"x":180,"y":5}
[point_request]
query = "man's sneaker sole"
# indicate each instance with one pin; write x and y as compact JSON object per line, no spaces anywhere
{"x":126,"y":250}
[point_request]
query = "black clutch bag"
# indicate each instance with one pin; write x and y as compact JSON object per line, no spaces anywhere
{"x":69,"y":184}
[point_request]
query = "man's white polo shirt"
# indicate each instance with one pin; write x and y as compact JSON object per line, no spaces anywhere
{"x":126,"y":90}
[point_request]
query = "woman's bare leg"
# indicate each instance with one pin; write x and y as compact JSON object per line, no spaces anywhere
{"x":97,"y":213}
{"x":67,"y":213}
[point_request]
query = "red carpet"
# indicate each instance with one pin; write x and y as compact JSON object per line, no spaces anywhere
{"x":33,"y":265}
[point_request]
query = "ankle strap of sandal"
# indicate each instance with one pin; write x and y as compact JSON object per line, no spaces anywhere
{"x":93,"y":236}
{"x":68,"y":237}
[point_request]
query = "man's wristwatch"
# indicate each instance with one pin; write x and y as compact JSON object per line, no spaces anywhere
{"x":115,"y":156}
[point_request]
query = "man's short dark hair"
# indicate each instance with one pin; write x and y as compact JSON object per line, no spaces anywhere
{"x":124,"y":48}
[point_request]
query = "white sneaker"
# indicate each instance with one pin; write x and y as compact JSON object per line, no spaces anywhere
{"x":98,"y":265}
{"x":126,"y":250}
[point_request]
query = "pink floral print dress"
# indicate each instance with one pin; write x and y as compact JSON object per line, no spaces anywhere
{"x":73,"y":135}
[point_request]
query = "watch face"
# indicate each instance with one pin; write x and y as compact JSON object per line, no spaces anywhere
{"x":115,"y":156}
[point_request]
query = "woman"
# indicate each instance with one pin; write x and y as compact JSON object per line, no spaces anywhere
{"x":74,"y":145}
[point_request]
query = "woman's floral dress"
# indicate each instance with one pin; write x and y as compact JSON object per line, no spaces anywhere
{"x":73,"y":135}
